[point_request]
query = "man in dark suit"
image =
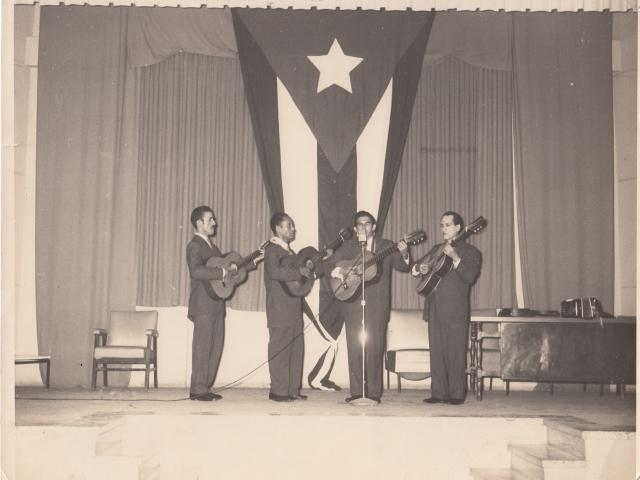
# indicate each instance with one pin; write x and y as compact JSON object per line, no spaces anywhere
{"x":447,"y":310}
{"x":206,"y":310}
{"x":377,"y":309}
{"x":284,"y":312}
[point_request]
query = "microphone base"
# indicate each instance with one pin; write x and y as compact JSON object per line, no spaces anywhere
{"x":363,"y":402}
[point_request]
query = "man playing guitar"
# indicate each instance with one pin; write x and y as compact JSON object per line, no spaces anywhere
{"x":447,"y":310}
{"x":378,"y":305}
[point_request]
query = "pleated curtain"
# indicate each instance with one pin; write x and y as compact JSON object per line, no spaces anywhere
{"x":196,"y":148}
{"x":459,"y":157}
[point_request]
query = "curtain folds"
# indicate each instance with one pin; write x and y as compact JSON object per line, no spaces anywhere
{"x":405,"y":84}
{"x":196,"y":148}
{"x":86,"y":183}
{"x":459,"y":157}
{"x":564,"y":155}
{"x":155,"y":34}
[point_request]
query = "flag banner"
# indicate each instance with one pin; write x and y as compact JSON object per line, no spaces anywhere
{"x":331,"y":97}
{"x":335,"y":64}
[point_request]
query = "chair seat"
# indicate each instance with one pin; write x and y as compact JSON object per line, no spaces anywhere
{"x":411,"y":361}
{"x":119,"y":352}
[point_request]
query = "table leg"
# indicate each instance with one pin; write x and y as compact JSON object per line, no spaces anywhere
{"x":48,"y":363}
{"x":475,"y":367}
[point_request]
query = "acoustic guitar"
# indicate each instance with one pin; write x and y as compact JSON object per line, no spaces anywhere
{"x":225,"y":288}
{"x":302,"y":287}
{"x":345,"y":288}
{"x":440,"y":264}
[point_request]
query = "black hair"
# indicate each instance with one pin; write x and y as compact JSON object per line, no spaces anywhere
{"x":198,"y":214}
{"x":457,"y":218}
{"x":364,"y":213}
{"x":277,"y":219}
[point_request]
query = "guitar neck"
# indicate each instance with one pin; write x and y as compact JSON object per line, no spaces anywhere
{"x":249,"y":258}
{"x":381,"y":255}
{"x":466,"y":233}
{"x":475,"y":226}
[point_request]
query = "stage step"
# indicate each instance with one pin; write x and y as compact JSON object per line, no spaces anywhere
{"x":544,"y":462}
{"x":55,"y":452}
{"x":205,"y":446}
{"x":566,"y":434}
{"x":153,"y":469}
{"x":108,"y":468}
{"x":575,"y":450}
{"x":491,"y":474}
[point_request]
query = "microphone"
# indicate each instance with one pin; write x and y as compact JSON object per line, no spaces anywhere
{"x":362,"y":237}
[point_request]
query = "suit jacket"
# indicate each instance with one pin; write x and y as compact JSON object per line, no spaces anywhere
{"x":202,"y":300}
{"x":451,"y":300}
{"x":378,"y":290}
{"x":283,"y":309}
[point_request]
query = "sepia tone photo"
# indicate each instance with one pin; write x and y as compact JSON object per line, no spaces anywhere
{"x":315,"y":239}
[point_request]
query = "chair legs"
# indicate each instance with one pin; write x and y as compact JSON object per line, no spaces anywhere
{"x":94,"y":375}
{"x":155,"y":374}
{"x":147,"y":371}
{"x":149,"y":368}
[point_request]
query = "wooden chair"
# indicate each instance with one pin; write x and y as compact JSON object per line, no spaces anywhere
{"x":130,"y":340}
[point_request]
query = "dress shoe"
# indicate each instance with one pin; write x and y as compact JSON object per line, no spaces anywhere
{"x":298,"y":397}
{"x":216,"y":396}
{"x":352,"y":398}
{"x":433,"y":400}
{"x":203,"y":397}
{"x":456,"y":401}
{"x":279,"y":398}
{"x":318,"y":386}
{"x":329,"y":385}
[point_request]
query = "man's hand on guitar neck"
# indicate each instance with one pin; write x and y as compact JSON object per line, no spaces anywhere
{"x":260,"y":257}
{"x":451,"y":252}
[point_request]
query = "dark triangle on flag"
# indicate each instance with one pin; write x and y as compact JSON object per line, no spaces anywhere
{"x":337,"y":204}
{"x":335,"y":116}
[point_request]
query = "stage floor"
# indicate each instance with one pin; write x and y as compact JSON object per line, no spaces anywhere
{"x":78,"y":407}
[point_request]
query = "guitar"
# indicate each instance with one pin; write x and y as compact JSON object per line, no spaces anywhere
{"x":302,"y":287}
{"x":225,"y":288}
{"x":345,"y":288}
{"x":440,"y":264}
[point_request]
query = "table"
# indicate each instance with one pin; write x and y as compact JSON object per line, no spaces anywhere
{"x":557,"y":349}
{"x":21,"y":359}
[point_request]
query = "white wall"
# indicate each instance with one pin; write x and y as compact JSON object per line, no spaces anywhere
{"x":625,"y":81}
{"x":245,"y":349}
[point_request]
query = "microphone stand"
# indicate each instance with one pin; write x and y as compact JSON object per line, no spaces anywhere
{"x":364,"y":401}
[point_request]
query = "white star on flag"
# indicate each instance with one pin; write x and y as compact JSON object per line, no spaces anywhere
{"x":335,"y":67}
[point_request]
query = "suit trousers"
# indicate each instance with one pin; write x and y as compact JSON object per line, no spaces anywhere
{"x":208,"y":341}
{"x":448,"y":353}
{"x":374,"y":350}
{"x":286,"y":355}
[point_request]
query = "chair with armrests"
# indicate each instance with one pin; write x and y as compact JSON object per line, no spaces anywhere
{"x":407,"y":353}
{"x":131,"y":339}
